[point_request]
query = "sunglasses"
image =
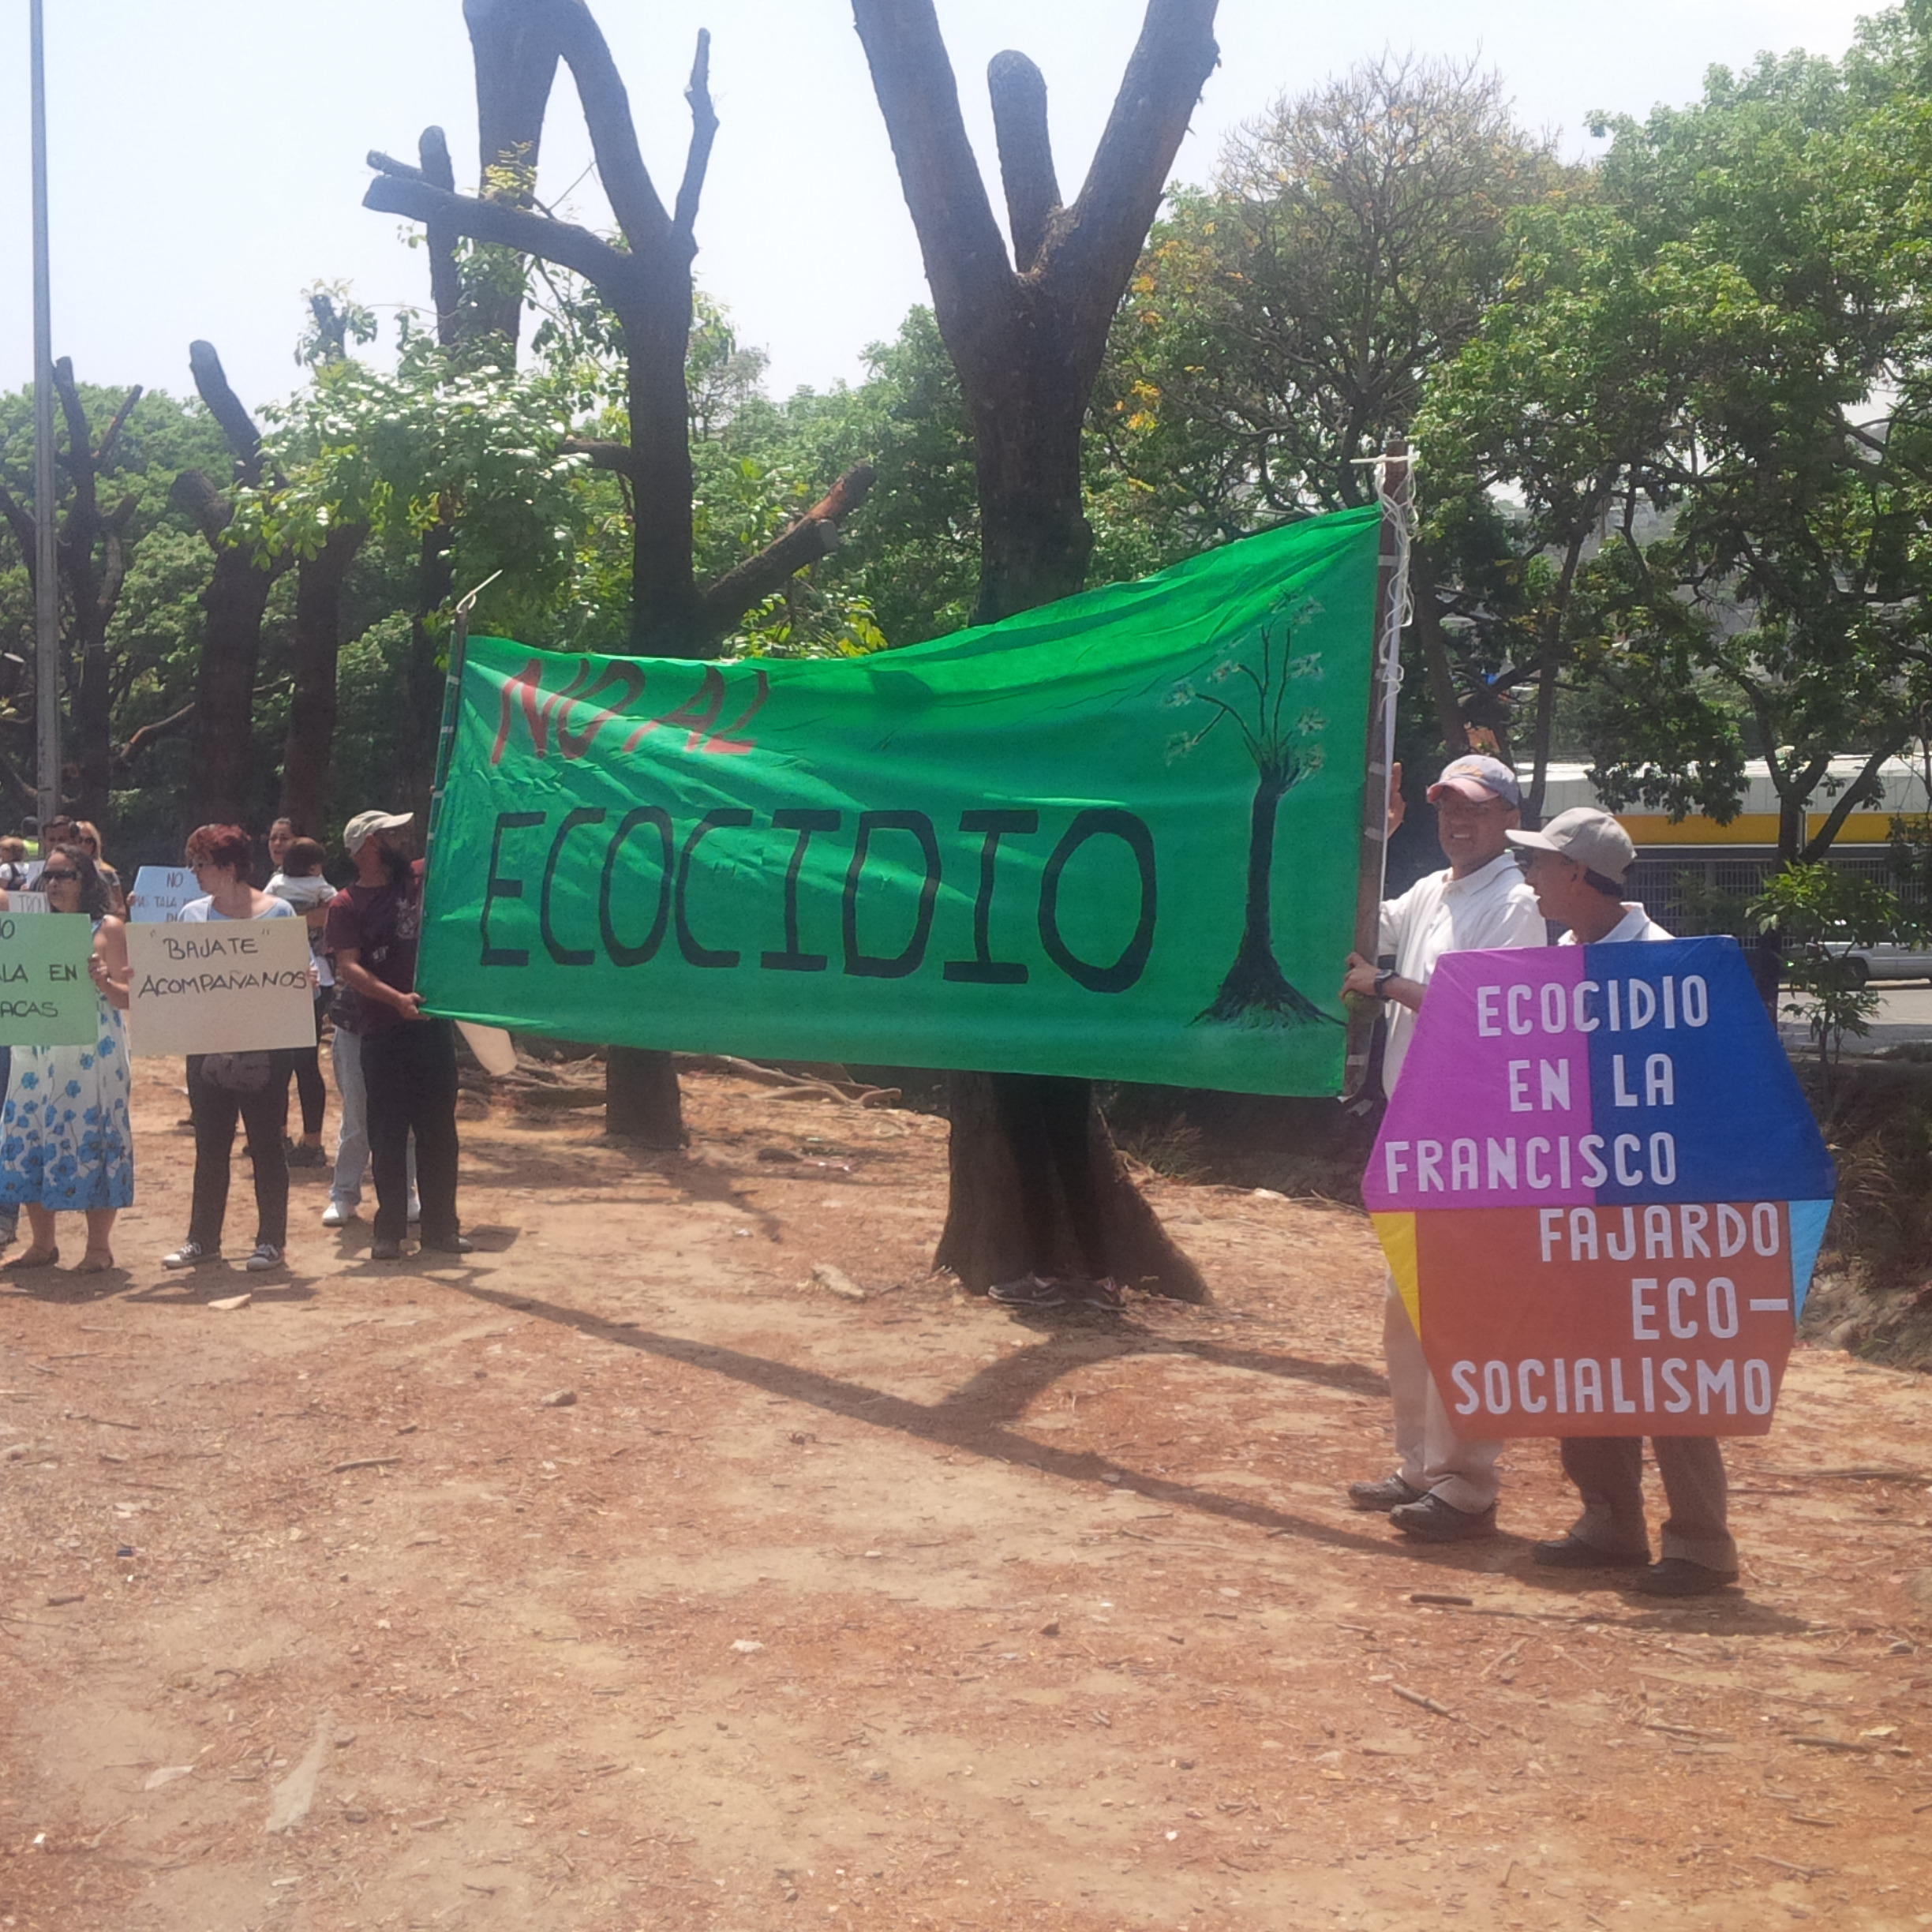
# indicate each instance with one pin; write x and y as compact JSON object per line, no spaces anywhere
{"x":54,"y":878}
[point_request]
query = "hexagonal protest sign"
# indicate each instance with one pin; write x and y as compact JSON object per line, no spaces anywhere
{"x":1601,"y":1191}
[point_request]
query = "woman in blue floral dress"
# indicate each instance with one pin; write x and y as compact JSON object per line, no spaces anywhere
{"x":65,"y":1140}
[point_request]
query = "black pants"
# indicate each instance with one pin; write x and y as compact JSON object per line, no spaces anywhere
{"x":409,"y":1072}
{"x":311,"y":1088}
{"x":215,"y":1110}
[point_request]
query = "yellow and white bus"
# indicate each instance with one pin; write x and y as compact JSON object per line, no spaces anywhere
{"x":1737,"y":858}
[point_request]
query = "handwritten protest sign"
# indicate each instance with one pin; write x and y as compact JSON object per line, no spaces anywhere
{"x":1601,"y":1192}
{"x":159,"y":893}
{"x":46,"y":997}
{"x":232,"y":986}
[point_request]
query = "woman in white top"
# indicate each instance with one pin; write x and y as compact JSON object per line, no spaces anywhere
{"x":221,"y":1087}
{"x":298,"y":879}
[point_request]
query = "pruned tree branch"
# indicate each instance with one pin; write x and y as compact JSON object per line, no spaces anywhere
{"x":562,"y":242}
{"x":445,"y":282}
{"x":815,"y":534}
{"x":79,"y":446}
{"x":619,"y":456}
{"x":1019,"y":92}
{"x":1096,"y":250}
{"x":194,"y":493}
{"x":211,"y":381}
{"x":613,"y":133}
{"x":704,"y":130}
{"x":960,"y":242}
{"x":22,"y":525}
{"x":152,"y":734}
{"x":111,"y":435}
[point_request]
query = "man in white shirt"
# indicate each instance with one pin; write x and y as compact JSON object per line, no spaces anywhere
{"x":1444,"y":1488}
{"x":1576,"y":865}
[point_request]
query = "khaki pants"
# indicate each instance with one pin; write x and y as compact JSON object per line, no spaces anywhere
{"x":1460,"y":1469}
{"x":1608,"y":1471}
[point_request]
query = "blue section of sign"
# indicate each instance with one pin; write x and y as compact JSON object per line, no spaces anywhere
{"x":1690,"y":1089}
{"x":1807,"y":1232}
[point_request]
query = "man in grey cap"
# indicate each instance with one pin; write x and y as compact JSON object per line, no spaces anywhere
{"x":1444,"y":1487}
{"x":1576,"y":865}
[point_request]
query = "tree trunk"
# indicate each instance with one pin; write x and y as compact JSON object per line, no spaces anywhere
{"x":514,"y":47}
{"x":1037,"y":1184}
{"x":1427,"y":620}
{"x":309,"y":748}
{"x":221,"y":742}
{"x":1038,"y":1187}
{"x":667,"y":619}
{"x":1035,"y":539}
{"x":423,"y":679}
{"x":641,"y":1099}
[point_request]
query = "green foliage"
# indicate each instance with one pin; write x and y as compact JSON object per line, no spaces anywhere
{"x":1709,"y":385}
{"x":1824,"y":908}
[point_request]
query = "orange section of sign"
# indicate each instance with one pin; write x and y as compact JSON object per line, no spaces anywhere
{"x":1671,"y":1319}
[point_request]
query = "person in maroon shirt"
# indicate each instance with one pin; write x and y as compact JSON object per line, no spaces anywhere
{"x":409,"y":1057}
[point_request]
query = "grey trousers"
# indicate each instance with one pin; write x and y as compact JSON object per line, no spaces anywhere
{"x":352,"y":1140}
{"x":1608,"y":1471}
{"x":1430,"y":1455}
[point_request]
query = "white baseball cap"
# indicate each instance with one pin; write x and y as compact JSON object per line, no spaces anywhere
{"x":358,"y":832}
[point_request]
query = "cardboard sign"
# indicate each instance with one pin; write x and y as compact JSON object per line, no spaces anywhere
{"x":46,"y":997}
{"x":1601,"y":1192}
{"x":231,"y":986}
{"x":159,"y":893}
{"x":28,"y":902}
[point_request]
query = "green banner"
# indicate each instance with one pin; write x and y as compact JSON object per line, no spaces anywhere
{"x":1115,"y":837}
{"x":47,"y":999}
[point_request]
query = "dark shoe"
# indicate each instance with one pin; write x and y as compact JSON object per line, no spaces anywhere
{"x":1102,"y":1293}
{"x":1433,"y":1521}
{"x":1030,"y":1291}
{"x":455,"y":1244}
{"x":382,"y":1248}
{"x":300,"y":1156}
{"x":1677,"y":1576}
{"x":1391,"y":1492}
{"x":1571,"y":1552}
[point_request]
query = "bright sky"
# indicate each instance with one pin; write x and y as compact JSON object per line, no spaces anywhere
{"x":207,"y":155}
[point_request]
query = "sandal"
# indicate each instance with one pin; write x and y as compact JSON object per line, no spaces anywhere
{"x":35,"y":1257}
{"x":95,"y":1261}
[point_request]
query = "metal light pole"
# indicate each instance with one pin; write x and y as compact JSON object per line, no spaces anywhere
{"x":46,"y":564}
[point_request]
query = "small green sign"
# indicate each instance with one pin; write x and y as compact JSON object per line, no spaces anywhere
{"x":46,"y":997}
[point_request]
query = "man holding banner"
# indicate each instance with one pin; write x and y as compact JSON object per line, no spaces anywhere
{"x":1444,"y":1488}
{"x":408,"y":1056}
{"x":1576,"y":865}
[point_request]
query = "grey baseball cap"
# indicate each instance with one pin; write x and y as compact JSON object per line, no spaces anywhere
{"x":1593,"y":838}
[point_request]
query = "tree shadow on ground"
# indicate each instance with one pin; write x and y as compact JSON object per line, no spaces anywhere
{"x":969,"y":1420}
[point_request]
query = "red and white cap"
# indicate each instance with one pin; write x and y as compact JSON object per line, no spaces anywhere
{"x":1478,"y":779}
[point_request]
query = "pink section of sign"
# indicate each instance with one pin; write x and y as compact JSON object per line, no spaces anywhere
{"x":1493,"y":1108}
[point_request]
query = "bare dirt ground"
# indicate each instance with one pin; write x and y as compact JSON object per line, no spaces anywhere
{"x":903,"y":1613}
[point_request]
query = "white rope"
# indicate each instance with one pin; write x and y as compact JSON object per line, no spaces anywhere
{"x":1399,"y":512}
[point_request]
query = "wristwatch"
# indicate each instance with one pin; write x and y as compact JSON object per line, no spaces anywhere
{"x":1381,"y":981}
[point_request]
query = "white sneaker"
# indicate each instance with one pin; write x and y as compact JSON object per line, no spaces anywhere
{"x":267,"y":1255}
{"x":338,"y":1214}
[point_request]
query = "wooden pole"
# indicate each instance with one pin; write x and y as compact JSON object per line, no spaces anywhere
{"x":1391,"y":610}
